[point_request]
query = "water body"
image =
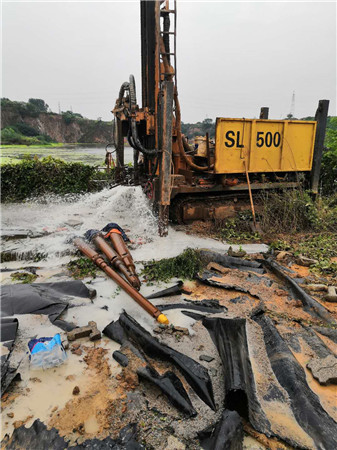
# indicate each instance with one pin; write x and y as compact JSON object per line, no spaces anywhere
{"x":88,"y":154}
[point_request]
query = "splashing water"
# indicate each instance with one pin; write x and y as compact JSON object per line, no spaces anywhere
{"x":60,"y":219}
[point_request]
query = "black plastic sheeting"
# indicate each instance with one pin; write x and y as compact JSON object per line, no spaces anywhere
{"x":230,"y":338}
{"x":9,"y":327}
{"x":177,"y":289}
{"x":209,"y":277}
{"x":232,"y":262}
{"x":304,"y":402}
{"x":37,"y":437}
{"x":227,"y":434}
{"x":170,"y":384}
{"x":206,"y":306}
{"x":42,"y":298}
{"x":127,"y":329}
{"x":310,"y":305}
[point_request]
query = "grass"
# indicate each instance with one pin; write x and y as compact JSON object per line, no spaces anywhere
{"x":23,"y":277}
{"x":82,"y":268}
{"x":236,"y":230}
{"x":183,"y":266}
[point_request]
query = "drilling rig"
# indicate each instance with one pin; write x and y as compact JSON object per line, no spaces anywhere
{"x":217,"y":177}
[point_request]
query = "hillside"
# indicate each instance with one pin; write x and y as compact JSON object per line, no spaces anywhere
{"x":33,"y":123}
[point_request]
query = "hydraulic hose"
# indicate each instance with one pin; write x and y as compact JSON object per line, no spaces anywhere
{"x":182,"y":143}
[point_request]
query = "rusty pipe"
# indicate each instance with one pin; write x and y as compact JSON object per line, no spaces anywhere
{"x":99,"y":261}
{"x":122,"y":250}
{"x":115,"y":260}
{"x":182,"y":141}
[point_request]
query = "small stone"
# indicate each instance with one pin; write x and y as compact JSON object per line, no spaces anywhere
{"x":174,"y":444}
{"x":281,"y":292}
{"x":163,"y":326}
{"x":10,"y":415}
{"x":213,"y":372}
{"x":281,"y":255}
{"x":306,"y":262}
{"x":70,"y":377}
{"x":35,"y":380}
{"x":206,"y":358}
{"x":75,"y":346}
{"x":77,"y":352}
{"x":181,"y":330}
{"x":217,"y":267}
{"x":317,"y":287}
{"x":201,"y":347}
{"x":331,"y":295}
{"x":54,"y":409}
{"x":76,"y":390}
{"x":324,"y":369}
{"x":158,"y":330}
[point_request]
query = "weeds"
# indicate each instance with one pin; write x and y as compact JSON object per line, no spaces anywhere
{"x":237,"y":229}
{"x":184,"y":266}
{"x":82,"y":268}
{"x":23,"y":277}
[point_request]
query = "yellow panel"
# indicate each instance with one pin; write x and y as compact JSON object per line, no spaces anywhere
{"x":266,"y":145}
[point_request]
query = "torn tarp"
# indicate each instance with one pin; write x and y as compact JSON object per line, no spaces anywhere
{"x":216,"y":280}
{"x":227,"y":434}
{"x":38,"y":437}
{"x":177,"y":289}
{"x":310,"y":305}
{"x":172,"y":387}
{"x":304,"y":402}
{"x":231,"y":262}
{"x":50,"y":299}
{"x":288,"y":408}
{"x":9,"y":327}
{"x":127,"y":329}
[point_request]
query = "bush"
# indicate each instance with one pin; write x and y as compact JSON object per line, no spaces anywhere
{"x":33,"y":177}
{"x":184,"y":266}
{"x":25,"y":129}
{"x":295,"y":210}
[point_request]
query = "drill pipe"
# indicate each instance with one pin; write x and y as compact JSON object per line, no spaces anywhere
{"x":115,"y":260}
{"x":99,"y":261}
{"x":120,"y":247}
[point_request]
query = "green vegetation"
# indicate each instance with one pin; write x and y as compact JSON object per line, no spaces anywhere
{"x":23,"y":277}
{"x":33,"y":108}
{"x":82,"y":268}
{"x":236,"y":229}
{"x":184,"y":266}
{"x":33,"y":177}
{"x":292,"y":211}
{"x":23,"y":134}
{"x":191,"y":130}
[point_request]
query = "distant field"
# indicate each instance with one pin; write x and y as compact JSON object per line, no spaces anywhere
{"x":86,"y":153}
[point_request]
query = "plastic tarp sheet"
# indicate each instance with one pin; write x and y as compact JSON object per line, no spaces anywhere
{"x":38,"y":437}
{"x":227,"y":434}
{"x":50,"y":299}
{"x":127,"y":329}
{"x":9,"y":327}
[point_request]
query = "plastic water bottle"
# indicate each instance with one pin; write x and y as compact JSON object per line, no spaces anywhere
{"x":47,"y":352}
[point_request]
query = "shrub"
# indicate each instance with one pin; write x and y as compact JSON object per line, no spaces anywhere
{"x":184,"y":266}
{"x":33,"y":177}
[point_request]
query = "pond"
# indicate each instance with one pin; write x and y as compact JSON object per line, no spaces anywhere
{"x":88,"y":154}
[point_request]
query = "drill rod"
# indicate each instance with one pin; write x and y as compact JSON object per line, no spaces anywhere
{"x":115,"y":260}
{"x":99,"y":261}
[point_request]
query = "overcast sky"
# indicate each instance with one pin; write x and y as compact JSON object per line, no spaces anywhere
{"x":233,"y":57}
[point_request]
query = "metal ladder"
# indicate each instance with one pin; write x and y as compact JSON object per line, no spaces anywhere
{"x":165,"y":12}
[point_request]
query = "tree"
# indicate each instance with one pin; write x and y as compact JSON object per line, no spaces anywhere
{"x":39,"y":104}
